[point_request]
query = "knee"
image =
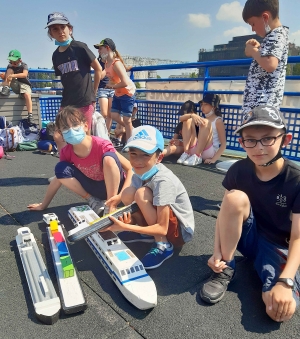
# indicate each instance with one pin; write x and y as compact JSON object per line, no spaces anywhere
{"x":63,"y":169}
{"x":128,"y":195}
{"x":235,"y":201}
{"x":109,"y":163}
{"x":142,"y":195}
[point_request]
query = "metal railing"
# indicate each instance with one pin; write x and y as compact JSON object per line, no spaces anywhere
{"x":163,"y":113}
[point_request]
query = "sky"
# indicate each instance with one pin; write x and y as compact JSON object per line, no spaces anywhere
{"x":163,"y":29}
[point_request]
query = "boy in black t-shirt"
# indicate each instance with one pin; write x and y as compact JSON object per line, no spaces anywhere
{"x":260,"y":216}
{"x":16,"y":77}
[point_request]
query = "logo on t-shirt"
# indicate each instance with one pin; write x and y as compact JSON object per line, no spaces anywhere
{"x":67,"y":67}
{"x":281,"y":200}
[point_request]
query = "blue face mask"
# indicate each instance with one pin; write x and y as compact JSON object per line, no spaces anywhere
{"x":64,"y":43}
{"x":74,"y":136}
{"x":147,"y":175}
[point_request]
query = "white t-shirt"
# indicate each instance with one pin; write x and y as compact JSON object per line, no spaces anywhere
{"x":262,"y":87}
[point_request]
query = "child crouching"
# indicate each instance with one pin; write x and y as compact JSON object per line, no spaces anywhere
{"x":166,"y":216}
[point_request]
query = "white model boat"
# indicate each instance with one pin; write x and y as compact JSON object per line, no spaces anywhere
{"x":45,"y":300}
{"x":125,"y":269}
{"x":72,"y":297}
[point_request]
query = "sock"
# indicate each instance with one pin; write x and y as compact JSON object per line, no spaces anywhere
{"x":87,"y":196}
{"x":165,"y":244}
{"x":198,"y":155}
{"x":230,"y":263}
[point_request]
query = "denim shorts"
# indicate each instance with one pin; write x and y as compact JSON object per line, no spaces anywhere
{"x":123,"y":105}
{"x":269,"y":258}
{"x":66,"y":170}
{"x":105,"y":93}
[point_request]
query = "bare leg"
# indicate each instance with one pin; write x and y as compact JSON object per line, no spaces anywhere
{"x":128,"y":127}
{"x":205,"y":137}
{"x":27,"y":97}
{"x":144,"y":199}
{"x":111,"y":176}
{"x":172,"y":149}
{"x":234,"y":211}
{"x":105,"y":106}
{"x":188,"y":135}
{"x":7,"y":73}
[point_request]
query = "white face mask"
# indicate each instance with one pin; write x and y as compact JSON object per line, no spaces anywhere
{"x":210,"y":113}
{"x":104,"y":56}
{"x":267,"y":27}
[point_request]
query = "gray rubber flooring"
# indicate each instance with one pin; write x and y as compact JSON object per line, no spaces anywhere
{"x":179,"y":314}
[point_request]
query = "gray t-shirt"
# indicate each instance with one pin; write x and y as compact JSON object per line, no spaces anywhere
{"x":262,"y":87}
{"x":168,"y":190}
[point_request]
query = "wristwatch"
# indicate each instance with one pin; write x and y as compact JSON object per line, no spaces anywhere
{"x":288,"y":281}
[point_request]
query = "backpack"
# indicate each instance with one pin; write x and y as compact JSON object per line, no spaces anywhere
{"x":99,"y":126}
{"x":10,"y":138}
{"x":46,"y":133}
{"x":27,"y":146}
{"x":30,"y":132}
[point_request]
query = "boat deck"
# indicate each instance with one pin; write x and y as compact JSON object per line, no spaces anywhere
{"x":179,"y":314}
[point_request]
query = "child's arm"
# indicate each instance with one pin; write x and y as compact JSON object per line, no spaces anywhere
{"x":97,"y":74}
{"x":121,"y":72}
{"x":280,"y":297}
{"x":160,"y":228}
{"x":24,"y":74}
{"x":116,"y":199}
{"x":50,"y":193}
{"x":268,"y":63}
{"x":222,"y":138}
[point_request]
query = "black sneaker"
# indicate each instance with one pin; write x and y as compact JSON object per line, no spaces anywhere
{"x":214,"y":289}
{"x":30,"y":119}
{"x":5,"y":91}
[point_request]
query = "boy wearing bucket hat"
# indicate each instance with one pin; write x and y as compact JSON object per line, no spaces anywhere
{"x":260,"y":216}
{"x":16,"y":77}
{"x":166,"y":216}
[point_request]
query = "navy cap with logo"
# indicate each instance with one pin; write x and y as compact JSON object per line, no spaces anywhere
{"x":57,"y":18}
{"x":106,"y":42}
{"x":188,"y":107}
{"x":212,"y":99}
{"x":263,"y":115}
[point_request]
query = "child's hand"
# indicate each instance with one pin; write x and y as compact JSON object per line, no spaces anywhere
{"x":126,"y":218}
{"x":113,"y":202}
{"x":118,"y":225}
{"x":36,"y":207}
{"x":280,"y":303}
{"x":209,"y":161}
{"x":216,"y":263}
{"x":198,"y":121}
{"x":253,"y":42}
{"x":249,"y":49}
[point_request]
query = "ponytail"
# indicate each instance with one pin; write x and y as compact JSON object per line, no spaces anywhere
{"x":118,"y":55}
{"x":217,"y":111}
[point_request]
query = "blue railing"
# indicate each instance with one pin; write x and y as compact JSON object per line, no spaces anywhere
{"x":162,"y":112}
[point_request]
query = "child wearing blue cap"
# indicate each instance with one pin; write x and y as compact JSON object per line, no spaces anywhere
{"x":166,"y":216}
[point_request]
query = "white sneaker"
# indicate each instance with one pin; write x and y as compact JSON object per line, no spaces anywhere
{"x":182,"y":158}
{"x":193,"y":160}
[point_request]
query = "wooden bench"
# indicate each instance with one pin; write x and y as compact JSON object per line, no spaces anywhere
{"x":14,"y":108}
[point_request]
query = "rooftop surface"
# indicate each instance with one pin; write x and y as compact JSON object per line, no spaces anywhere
{"x":180,"y":313}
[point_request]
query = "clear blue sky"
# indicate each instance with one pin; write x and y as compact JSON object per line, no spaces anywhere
{"x":163,"y":29}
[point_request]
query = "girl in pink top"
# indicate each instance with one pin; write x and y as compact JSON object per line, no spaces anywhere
{"x":124,"y":97}
{"x":89,"y":165}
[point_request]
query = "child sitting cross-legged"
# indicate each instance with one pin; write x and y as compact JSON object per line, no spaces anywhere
{"x":166,"y":216}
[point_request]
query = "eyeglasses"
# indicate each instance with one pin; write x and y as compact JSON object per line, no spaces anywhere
{"x":267,"y":141}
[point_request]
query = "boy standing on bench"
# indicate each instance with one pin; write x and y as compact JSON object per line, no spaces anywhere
{"x":266,"y":77}
{"x":16,"y":77}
